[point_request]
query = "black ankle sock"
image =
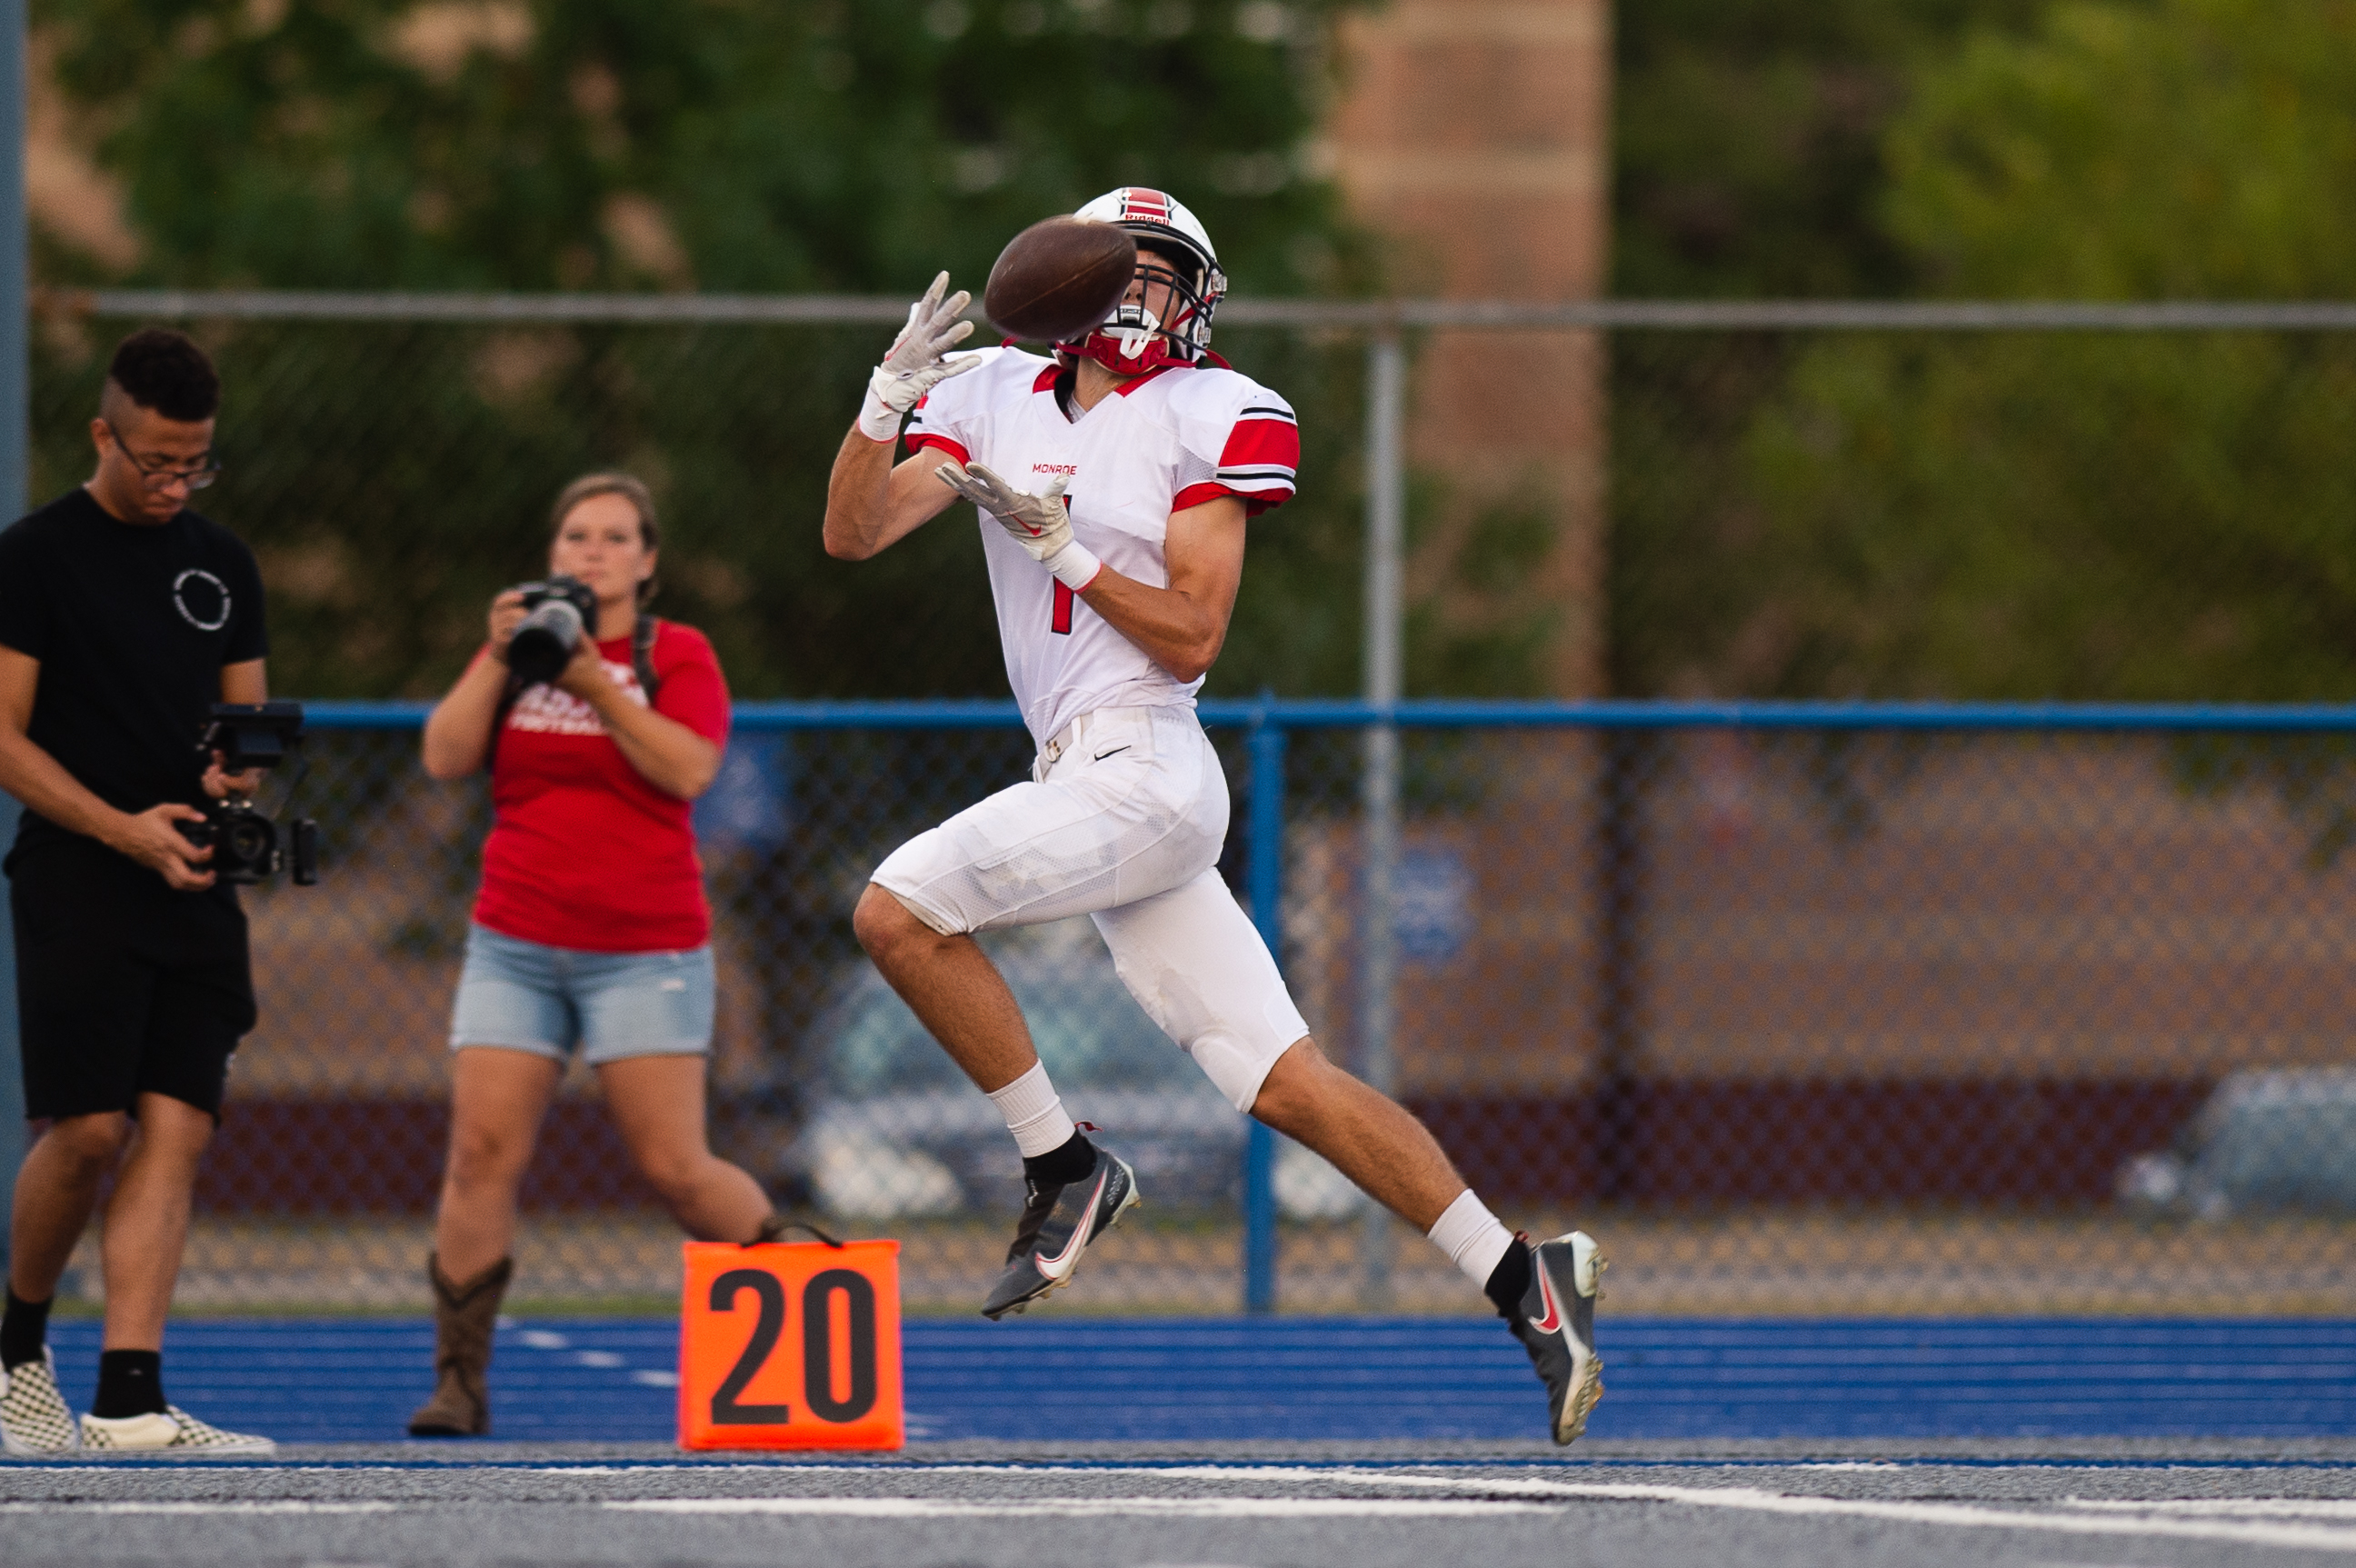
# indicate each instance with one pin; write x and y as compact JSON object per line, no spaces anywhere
{"x":130,"y":1382}
{"x":24,"y":1329}
{"x":1510,"y":1279}
{"x":1063,"y":1164}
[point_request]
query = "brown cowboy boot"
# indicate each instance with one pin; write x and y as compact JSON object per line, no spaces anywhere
{"x":464,"y":1316}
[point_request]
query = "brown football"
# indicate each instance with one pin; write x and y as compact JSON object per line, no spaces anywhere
{"x":1059,"y":279}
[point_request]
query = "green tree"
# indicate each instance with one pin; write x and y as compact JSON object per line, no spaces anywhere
{"x":1747,"y":162}
{"x":1747,"y":153}
{"x":2149,"y":516}
{"x":393,"y":476}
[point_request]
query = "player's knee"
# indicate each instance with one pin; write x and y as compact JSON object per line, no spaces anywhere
{"x":1294,"y":1087}
{"x":871,"y":919}
{"x":884,"y":926}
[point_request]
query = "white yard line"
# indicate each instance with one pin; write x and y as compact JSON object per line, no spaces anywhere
{"x":2226,"y":1507}
{"x":1067,"y":1507}
{"x":2153,"y":1523}
{"x":2315,"y":1525}
{"x":2252,"y":1522}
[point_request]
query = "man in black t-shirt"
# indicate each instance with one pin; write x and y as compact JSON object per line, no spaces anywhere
{"x":123,"y":618}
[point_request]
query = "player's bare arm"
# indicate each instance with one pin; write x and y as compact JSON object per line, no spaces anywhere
{"x":36,"y":778}
{"x":1179,"y":628}
{"x":871,"y":504}
{"x":1183,"y":626}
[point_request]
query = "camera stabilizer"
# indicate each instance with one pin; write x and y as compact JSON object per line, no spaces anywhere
{"x":245,"y":841}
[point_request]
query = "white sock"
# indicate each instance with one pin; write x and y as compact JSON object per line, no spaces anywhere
{"x":1034,"y":1115}
{"x":1471,"y":1237}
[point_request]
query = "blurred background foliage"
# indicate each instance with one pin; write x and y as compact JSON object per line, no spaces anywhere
{"x":393,"y":477}
{"x":2045,"y":515}
{"x":1747,"y":136}
{"x":1794,"y":514}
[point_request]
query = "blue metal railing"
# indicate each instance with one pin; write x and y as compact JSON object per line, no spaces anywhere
{"x":1267,"y":722}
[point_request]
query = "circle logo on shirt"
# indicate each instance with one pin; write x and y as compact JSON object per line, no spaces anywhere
{"x":202,"y":599}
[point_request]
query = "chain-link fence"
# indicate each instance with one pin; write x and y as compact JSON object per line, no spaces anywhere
{"x":392,"y":465}
{"x":2080,"y":501}
{"x":1802,"y":1009}
{"x":1835,"y":1010}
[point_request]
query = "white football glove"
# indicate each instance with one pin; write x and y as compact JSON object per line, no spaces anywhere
{"x":1042,"y":524}
{"x":916,"y":364}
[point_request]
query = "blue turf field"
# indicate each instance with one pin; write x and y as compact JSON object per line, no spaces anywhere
{"x":315,"y":1380}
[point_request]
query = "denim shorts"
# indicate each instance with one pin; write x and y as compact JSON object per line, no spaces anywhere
{"x":524,"y":996}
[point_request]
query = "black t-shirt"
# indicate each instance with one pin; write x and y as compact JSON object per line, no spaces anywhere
{"x":132,"y":623}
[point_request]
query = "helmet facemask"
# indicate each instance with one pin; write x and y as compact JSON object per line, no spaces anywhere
{"x":1133,"y":339}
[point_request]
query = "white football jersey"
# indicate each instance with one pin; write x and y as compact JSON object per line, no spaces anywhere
{"x":1171,"y":439}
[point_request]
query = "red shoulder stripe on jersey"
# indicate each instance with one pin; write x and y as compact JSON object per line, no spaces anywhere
{"x":1255,"y":501}
{"x":1262,"y":444}
{"x":920,"y":439}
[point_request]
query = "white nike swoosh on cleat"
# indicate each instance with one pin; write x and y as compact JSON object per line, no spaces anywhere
{"x":1552,"y":1322}
{"x":1060,"y":1266}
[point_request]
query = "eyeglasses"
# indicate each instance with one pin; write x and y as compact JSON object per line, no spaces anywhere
{"x":160,"y":473}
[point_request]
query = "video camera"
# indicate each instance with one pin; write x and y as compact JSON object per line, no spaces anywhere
{"x":244,"y":843}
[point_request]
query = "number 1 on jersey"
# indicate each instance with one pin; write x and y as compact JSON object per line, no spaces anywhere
{"x":1060,"y":623}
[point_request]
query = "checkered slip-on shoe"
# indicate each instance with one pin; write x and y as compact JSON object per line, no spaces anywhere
{"x":174,"y":1432}
{"x":34,"y":1419}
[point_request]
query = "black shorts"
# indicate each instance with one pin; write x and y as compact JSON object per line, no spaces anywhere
{"x":123,"y":986}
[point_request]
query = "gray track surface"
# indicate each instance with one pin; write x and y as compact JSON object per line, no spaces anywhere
{"x":2083,"y":1504}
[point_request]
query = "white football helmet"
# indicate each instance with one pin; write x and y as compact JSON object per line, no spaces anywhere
{"x":1133,"y":339}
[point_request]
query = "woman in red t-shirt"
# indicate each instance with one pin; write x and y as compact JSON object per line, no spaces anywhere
{"x":591,"y":931}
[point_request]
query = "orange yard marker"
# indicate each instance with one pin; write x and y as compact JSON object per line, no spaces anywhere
{"x":790,"y":1345}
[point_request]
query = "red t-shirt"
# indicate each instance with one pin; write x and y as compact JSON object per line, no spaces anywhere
{"x":585,"y":853}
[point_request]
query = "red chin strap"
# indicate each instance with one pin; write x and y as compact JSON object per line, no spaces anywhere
{"x":1165,"y":344}
{"x":1104,"y":348}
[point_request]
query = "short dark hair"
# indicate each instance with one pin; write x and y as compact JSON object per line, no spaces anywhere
{"x":164,"y":372}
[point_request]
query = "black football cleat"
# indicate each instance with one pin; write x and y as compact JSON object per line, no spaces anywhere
{"x":1556,"y":1326}
{"x":1058,"y":1224}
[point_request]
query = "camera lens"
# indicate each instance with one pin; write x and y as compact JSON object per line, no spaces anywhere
{"x":543,"y":644}
{"x":248,"y":840}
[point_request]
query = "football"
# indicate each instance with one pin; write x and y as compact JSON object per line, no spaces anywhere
{"x":1059,"y":279}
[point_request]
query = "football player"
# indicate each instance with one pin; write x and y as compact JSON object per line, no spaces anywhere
{"x":1114,"y":479}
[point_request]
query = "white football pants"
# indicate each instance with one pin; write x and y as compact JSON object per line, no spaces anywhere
{"x":1124,"y":824}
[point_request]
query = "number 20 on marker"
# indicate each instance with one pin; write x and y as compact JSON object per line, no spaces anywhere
{"x":790,"y":1345}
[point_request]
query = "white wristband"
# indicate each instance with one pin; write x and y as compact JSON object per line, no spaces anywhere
{"x":878,"y":420}
{"x":1074,"y":566}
